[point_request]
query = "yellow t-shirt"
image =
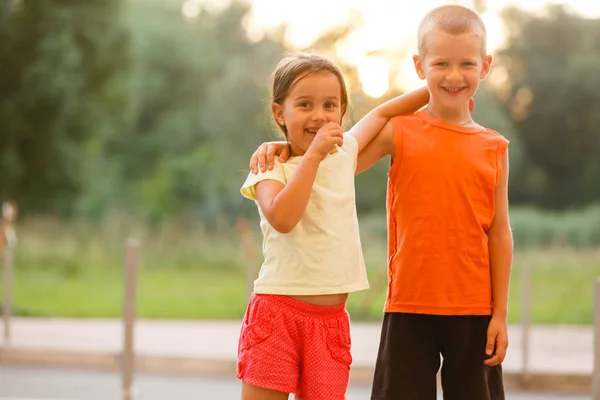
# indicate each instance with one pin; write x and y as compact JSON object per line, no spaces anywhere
{"x":323,"y":253}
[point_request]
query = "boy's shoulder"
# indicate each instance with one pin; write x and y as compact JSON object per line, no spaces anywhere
{"x":416,"y":119}
{"x":492,"y":134}
{"x":413,"y":118}
{"x":399,"y":122}
{"x":413,"y":115}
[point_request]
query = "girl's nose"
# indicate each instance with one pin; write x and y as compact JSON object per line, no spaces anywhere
{"x":319,"y":115}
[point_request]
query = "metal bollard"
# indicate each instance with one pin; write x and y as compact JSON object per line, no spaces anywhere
{"x":7,"y":301}
{"x":8,"y":240}
{"x":525,"y":322}
{"x":129,"y":310}
{"x":596,"y":370}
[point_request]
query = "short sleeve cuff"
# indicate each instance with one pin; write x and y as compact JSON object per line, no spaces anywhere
{"x":277,"y":174}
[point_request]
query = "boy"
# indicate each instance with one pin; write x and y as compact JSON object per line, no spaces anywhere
{"x":450,"y":243}
{"x":449,"y":237}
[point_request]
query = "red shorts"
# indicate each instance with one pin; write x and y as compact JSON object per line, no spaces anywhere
{"x":295,"y":347}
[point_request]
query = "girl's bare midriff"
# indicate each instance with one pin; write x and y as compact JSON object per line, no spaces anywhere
{"x":323,"y":299}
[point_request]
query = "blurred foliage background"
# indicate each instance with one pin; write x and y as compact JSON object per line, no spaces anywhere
{"x":123,"y":118}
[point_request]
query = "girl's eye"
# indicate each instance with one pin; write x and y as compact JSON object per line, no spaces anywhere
{"x":304,"y":104}
{"x":329,"y":105}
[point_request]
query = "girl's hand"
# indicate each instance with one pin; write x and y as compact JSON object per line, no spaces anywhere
{"x":329,"y":135}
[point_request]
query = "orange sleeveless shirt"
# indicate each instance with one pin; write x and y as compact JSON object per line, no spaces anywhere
{"x":440,"y":203}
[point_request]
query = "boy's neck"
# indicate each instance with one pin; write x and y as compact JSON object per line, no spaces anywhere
{"x":459,"y":116}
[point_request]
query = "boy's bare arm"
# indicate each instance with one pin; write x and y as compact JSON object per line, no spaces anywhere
{"x":371,"y":124}
{"x":364,"y":131}
{"x":382,"y":145}
{"x":500,"y":245}
{"x":263,"y":157}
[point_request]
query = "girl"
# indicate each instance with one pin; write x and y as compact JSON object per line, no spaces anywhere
{"x":295,"y":337}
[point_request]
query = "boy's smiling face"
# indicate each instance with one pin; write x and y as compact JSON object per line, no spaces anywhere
{"x":453,"y":66}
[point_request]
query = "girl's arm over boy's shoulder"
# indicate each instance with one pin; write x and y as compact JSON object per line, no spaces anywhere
{"x":364,"y":131}
{"x":384,"y":143}
{"x":371,"y":124}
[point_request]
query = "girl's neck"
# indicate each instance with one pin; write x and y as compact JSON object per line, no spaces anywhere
{"x":295,"y":151}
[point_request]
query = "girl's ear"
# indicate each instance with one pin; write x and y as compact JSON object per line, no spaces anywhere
{"x":277,"y":110}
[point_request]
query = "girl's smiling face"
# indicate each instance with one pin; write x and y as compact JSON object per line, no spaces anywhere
{"x":313,"y":100}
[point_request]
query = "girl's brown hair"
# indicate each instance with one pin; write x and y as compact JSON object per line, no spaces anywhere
{"x":287,"y":70}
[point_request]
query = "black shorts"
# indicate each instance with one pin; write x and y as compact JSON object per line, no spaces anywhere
{"x":409,"y":359}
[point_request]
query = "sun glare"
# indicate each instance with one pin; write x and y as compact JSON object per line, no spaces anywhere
{"x":374,"y":76}
{"x":388,"y":26}
{"x":190,"y":9}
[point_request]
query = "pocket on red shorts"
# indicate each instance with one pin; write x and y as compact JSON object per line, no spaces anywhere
{"x":257,"y":325}
{"x":338,"y":340}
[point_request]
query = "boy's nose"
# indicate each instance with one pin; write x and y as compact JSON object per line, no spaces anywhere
{"x":454,"y":75}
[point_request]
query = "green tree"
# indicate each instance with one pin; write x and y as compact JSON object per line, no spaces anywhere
{"x":63,"y":67}
{"x":552,"y":65}
{"x":199,"y":92}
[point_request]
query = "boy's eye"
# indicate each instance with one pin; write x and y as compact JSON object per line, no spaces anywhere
{"x":467,"y":64}
{"x":442,"y":64}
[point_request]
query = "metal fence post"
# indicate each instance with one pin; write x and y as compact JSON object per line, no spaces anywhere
{"x":8,"y":239}
{"x":596,"y":370}
{"x":129,"y":310}
{"x":7,"y":301}
{"x":525,"y":321}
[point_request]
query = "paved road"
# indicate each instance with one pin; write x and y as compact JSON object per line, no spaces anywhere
{"x":36,"y":383}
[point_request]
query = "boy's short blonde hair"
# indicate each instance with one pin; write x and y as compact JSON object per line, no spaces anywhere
{"x":453,"y":20}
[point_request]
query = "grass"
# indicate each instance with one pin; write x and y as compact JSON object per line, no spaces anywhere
{"x":76,"y":271}
{"x":160,"y":294}
{"x":562,"y":285}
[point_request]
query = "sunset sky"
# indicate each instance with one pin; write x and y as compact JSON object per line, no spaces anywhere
{"x":388,"y":25}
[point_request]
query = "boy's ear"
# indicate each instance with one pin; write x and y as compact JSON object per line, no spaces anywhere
{"x":277,"y":110}
{"x":487,"y":65}
{"x":419,"y":66}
